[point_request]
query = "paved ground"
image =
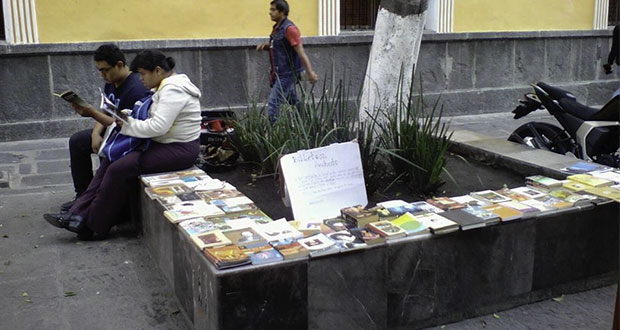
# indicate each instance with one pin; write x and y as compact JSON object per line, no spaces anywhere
{"x":49,"y":280}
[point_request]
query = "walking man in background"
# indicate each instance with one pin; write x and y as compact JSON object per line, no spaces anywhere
{"x":288,"y":59}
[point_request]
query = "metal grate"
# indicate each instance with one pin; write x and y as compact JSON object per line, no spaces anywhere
{"x":358,"y":14}
{"x":614,"y":13}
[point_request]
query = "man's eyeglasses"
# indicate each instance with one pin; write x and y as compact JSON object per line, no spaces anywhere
{"x":105,"y":70}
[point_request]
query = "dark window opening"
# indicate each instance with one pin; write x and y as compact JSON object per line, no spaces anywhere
{"x":358,"y":14}
{"x":2,"y":36}
{"x":614,"y":13}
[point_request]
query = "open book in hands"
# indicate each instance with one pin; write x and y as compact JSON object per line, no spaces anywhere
{"x":72,"y":97}
{"x":108,"y":106}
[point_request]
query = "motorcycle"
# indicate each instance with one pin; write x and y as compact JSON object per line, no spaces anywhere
{"x":587,"y":133}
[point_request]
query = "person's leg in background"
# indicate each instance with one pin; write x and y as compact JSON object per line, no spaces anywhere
{"x":80,"y":151}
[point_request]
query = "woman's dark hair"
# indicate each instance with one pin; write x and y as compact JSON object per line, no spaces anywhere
{"x":109,"y":53}
{"x":281,"y":5}
{"x":149,"y":59}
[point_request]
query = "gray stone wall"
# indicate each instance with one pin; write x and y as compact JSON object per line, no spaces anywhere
{"x":473,"y":73}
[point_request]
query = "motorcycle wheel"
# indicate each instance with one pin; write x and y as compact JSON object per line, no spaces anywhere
{"x":544,"y":136}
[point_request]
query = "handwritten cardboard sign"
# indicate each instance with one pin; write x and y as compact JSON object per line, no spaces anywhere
{"x":322,"y":181}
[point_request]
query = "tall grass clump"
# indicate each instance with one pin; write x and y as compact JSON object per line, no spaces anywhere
{"x":415,"y":140}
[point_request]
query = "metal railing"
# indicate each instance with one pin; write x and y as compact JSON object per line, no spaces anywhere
{"x":358,"y":14}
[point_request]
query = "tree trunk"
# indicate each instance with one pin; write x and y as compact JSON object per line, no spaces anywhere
{"x":396,"y":44}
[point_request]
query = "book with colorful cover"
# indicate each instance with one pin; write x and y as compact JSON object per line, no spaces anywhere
{"x":346,"y":240}
{"x":574,"y":186}
{"x":411,"y":225}
{"x":197,"y":226}
{"x":290,"y":249}
{"x":470,"y":201}
{"x":167,"y":190}
{"x":219,"y":194}
{"x":437,"y":223}
{"x":369,"y":237}
{"x":227,"y":256}
{"x":445,"y":203}
{"x":245,"y":237}
{"x":358,"y":216}
{"x":527,"y":210}
{"x":543,"y":182}
{"x":554,"y":202}
{"x":590,"y":180}
{"x":278,"y":230}
{"x":515,"y":196}
{"x":571,"y":197}
{"x":309,"y":226}
{"x":490,"y":196}
{"x":465,"y":220}
{"x":318,"y":245}
{"x":266,"y":256}
{"x":581,"y":167}
{"x":337,"y":224}
{"x":505,"y":213}
{"x":489,"y":218}
{"x":424,"y":207}
{"x":545,"y":209}
{"x":387,"y":229}
{"x":188,"y":210}
{"x":529,"y":192}
{"x":210,"y":239}
{"x":606,"y":192}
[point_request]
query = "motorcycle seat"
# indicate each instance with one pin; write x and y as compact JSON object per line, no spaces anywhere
{"x":577,"y":109}
{"x":555,"y":92}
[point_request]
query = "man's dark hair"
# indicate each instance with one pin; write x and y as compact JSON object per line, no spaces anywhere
{"x":109,"y":53}
{"x":281,"y":5}
{"x":149,"y":59}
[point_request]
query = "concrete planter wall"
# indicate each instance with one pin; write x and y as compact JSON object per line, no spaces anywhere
{"x":474,"y":73}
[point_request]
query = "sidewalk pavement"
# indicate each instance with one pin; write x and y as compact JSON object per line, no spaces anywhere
{"x":49,"y":280}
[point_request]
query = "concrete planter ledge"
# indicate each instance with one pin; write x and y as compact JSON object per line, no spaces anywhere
{"x":406,"y":284}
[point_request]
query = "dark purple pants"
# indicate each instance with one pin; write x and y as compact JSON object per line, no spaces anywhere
{"x":102,"y":203}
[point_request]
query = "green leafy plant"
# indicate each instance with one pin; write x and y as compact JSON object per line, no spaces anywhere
{"x":415,"y":140}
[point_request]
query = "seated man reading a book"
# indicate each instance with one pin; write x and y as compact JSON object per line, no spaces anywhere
{"x":172,"y":127}
{"x":123,"y":88}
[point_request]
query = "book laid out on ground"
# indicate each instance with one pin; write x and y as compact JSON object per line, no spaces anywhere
{"x":266,"y":256}
{"x":188,"y":210}
{"x":210,"y":239}
{"x":228,"y":256}
{"x":278,"y":230}
{"x":542,"y":182}
{"x":387,"y":229}
{"x":544,"y":208}
{"x":437,"y":223}
{"x":318,"y":245}
{"x":166,"y":191}
{"x":490,"y":196}
{"x":411,"y":225}
{"x":554,"y":202}
{"x":309,"y":226}
{"x":337,"y":224}
{"x":529,"y":192}
{"x":290,"y":249}
{"x":489,"y":218}
{"x":464,"y":219}
{"x":590,"y":180}
{"x":574,"y":185}
{"x":445,"y":203}
{"x":209,"y":195}
{"x":505,"y":213}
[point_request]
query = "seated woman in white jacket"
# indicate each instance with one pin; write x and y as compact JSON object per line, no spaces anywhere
{"x":173,"y":127}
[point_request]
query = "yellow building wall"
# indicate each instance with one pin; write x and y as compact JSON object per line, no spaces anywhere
{"x":522,"y":15}
{"x":90,"y":20}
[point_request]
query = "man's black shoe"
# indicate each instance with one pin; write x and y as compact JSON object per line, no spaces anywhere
{"x":67,"y":205}
{"x":68,"y":221}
